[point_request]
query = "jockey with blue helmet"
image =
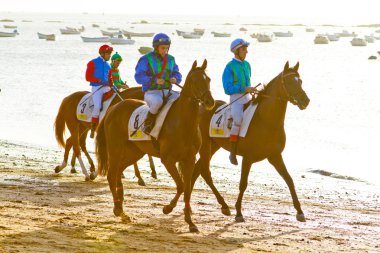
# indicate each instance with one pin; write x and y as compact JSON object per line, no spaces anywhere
{"x":156,"y":72}
{"x":236,"y":83}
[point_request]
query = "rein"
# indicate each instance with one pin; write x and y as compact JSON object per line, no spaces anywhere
{"x":280,"y":98}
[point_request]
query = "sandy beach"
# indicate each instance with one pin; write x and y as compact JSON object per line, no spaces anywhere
{"x":41,"y":211}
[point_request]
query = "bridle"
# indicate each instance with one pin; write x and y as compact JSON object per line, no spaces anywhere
{"x":197,"y":96}
{"x":288,"y":97}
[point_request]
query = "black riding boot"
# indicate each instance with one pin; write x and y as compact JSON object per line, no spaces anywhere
{"x":93,"y":128}
{"x":149,"y":123}
{"x":233,"y":159}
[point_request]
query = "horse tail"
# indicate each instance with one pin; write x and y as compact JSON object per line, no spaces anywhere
{"x":101,"y":150}
{"x":60,"y":125}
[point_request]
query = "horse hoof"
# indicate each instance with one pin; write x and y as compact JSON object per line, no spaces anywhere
{"x":87,"y":178}
{"x":93,"y":175}
{"x":141,"y":182}
{"x":301,"y":217}
{"x":226,"y":211}
{"x":154,"y":175}
{"x":73,"y":170}
{"x":118,"y":211}
{"x":239,"y":218}
{"x":193,"y":229}
{"x":167,"y":209}
{"x":125,"y":218}
{"x":57,"y":169}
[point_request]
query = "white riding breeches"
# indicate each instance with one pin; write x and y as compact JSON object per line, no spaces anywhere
{"x":97,"y":95}
{"x":237,"y":111}
{"x":154,"y":99}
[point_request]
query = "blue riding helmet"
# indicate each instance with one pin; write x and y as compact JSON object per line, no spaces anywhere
{"x":238,"y":43}
{"x":161,"y":39}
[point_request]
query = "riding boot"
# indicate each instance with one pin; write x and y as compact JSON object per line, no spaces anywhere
{"x":149,"y":123}
{"x":233,"y":140}
{"x":94,"y":124}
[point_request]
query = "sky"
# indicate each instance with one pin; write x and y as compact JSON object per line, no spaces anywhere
{"x":363,"y":11}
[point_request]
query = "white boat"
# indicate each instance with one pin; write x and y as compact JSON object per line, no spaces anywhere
{"x":121,"y":41}
{"x":243,"y":29}
{"x":179,"y":33}
{"x":95,"y":25}
{"x":113,"y":28}
{"x":81,"y":29}
{"x":111,"y":34}
{"x":8,"y":34}
{"x":332,"y":37}
{"x":310,"y":30}
{"x":145,"y":50}
{"x":321,"y":39}
{"x":283,"y":34}
{"x":103,"y":39}
{"x":264,"y":38}
{"x":133,"y":34}
{"x":221,"y":35}
{"x":191,"y":36}
{"x":69,"y":31}
{"x":345,"y":33}
{"x":43,"y":36}
{"x":369,"y":38}
{"x":358,"y":42}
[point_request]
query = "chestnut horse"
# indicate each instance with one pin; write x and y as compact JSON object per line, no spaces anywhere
{"x":179,"y":141}
{"x":265,"y":138}
{"x":78,"y":129}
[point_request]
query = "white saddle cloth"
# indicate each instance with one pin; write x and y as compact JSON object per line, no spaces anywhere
{"x":85,"y":106}
{"x":139,"y":115}
{"x":220,"y":126}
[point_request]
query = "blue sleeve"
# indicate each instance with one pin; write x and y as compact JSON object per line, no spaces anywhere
{"x":143,"y":74}
{"x":228,"y":79}
{"x":176,"y":73}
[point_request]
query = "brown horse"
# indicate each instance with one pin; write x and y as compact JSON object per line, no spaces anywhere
{"x":179,"y":141}
{"x":265,"y":138}
{"x":78,"y":129}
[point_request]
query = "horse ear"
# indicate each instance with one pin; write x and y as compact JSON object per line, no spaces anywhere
{"x":194,"y":65}
{"x":286,"y":66}
{"x":296,"y":67}
{"x":204,"y":65}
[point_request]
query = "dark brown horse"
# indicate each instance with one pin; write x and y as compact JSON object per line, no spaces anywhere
{"x":265,"y":138}
{"x":66,"y":117}
{"x":179,"y":141}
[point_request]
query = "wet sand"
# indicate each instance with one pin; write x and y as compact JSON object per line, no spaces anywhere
{"x":41,"y":211}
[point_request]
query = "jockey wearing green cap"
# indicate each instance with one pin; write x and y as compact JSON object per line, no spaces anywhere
{"x":114,"y":74}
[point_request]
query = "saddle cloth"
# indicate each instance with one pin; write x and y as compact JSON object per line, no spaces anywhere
{"x":86,"y":104}
{"x":221,"y":122}
{"x":139,"y":115}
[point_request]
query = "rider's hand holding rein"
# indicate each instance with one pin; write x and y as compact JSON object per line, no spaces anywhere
{"x":173,"y":80}
{"x":250,"y":89}
{"x":160,"y":81}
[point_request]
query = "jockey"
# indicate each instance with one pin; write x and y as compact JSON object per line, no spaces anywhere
{"x":236,"y":83}
{"x":156,"y":72}
{"x":97,"y":74}
{"x":114,"y":74}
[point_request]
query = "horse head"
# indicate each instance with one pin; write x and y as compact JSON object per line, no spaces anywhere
{"x":198,"y":83}
{"x":292,"y":84}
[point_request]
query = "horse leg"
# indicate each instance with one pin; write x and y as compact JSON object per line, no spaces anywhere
{"x":152,"y":167}
{"x":172,"y":169}
{"x":76,"y":147}
{"x":82,"y":140}
{"x":202,"y":167}
{"x":118,"y":161}
{"x":278,"y":163}
{"x":245,"y":169}
{"x":68,"y":146}
{"x":73,"y":159}
{"x":187,"y":168}
{"x":138,"y":175}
